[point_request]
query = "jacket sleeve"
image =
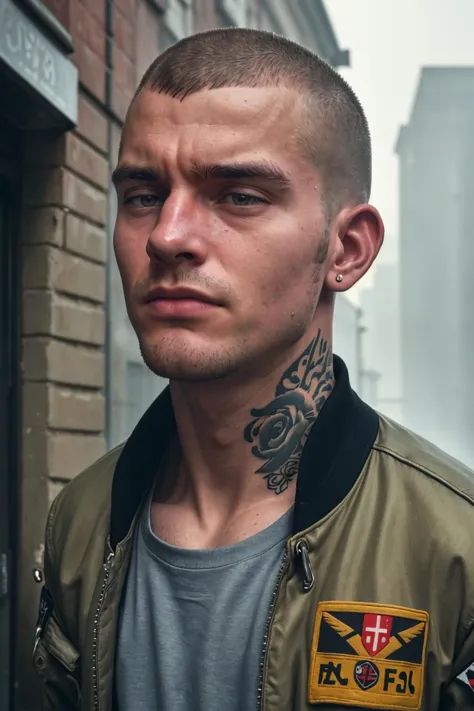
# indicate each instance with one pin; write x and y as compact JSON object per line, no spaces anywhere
{"x":55,"y":657}
{"x":459,"y":692}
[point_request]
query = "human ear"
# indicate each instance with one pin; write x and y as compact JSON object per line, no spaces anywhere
{"x":359,"y":233}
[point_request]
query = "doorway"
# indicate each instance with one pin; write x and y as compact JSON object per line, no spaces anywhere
{"x":10,"y":169}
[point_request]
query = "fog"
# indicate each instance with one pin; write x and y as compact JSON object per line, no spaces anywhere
{"x":416,"y":300}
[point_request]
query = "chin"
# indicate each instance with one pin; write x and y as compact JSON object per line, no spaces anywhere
{"x":186,"y":360}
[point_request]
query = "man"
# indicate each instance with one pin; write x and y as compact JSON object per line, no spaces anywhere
{"x":263,"y":540}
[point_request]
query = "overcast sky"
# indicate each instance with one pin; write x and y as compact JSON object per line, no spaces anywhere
{"x":389,"y":42}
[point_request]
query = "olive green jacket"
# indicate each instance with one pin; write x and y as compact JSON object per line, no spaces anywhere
{"x":374,"y":606}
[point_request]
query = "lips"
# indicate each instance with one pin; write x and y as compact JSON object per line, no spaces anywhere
{"x":179,"y":304}
{"x":177,"y":294}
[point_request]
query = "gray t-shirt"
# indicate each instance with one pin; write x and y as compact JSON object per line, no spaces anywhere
{"x":192,"y":623}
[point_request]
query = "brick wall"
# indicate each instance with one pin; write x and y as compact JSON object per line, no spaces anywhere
{"x":66,"y":181}
{"x":64,"y":250}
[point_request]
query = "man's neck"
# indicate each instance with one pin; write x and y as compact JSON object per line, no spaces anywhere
{"x":242,"y":445}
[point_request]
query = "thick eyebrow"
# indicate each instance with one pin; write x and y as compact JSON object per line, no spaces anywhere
{"x":127,"y":171}
{"x":237,"y":171}
{"x":231,"y":171}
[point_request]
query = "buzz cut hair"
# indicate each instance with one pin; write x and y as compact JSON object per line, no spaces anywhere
{"x":333,"y":133}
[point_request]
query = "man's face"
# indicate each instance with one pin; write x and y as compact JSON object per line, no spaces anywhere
{"x":220,"y":236}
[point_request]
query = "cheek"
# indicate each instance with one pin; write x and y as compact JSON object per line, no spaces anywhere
{"x":289,"y":282}
{"x":130,"y":254}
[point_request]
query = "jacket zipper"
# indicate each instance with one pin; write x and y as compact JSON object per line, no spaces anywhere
{"x":95,"y":637}
{"x":267,"y":630}
{"x":301,"y":553}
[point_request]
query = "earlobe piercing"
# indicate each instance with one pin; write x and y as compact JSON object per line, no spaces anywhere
{"x":339,"y":278}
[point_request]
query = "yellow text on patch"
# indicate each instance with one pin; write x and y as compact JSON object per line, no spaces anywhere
{"x":368,"y":655}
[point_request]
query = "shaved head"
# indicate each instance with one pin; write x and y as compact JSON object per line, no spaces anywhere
{"x":332,"y":132}
{"x":243,"y":177}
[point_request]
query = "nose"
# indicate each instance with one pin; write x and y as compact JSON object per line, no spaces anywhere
{"x":179,"y":234}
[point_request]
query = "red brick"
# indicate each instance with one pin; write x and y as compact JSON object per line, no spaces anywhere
{"x":91,"y":70}
{"x":124,"y":34}
{"x":85,"y":28}
{"x":127,"y":7}
{"x":123,"y":71}
{"x":148,"y":30}
{"x":120,"y":102}
{"x":96,"y":8}
{"x":92,"y":124}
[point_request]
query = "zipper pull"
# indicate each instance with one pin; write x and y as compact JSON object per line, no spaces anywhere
{"x":108,"y":562}
{"x":109,"y":558}
{"x":302,"y":556}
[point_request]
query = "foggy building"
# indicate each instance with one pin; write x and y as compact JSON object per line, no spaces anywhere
{"x":381,"y":340}
{"x":436,"y":151}
{"x":347,"y":338}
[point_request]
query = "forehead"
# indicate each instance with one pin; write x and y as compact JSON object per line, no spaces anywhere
{"x":214,"y":125}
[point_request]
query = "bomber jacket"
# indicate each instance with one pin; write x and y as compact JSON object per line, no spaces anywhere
{"x":374,"y":606}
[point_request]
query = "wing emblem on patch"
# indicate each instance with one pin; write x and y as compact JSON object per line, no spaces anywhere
{"x":355,"y":640}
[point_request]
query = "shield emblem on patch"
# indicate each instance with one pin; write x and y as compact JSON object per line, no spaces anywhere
{"x":376,"y":632}
{"x":366,"y":675}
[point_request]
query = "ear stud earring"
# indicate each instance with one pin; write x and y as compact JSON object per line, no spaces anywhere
{"x":339,"y":278}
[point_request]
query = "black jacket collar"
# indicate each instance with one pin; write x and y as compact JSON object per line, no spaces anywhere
{"x":335,"y":453}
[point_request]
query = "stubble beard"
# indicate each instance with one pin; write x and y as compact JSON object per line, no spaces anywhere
{"x":169,"y":357}
{"x":187,"y":364}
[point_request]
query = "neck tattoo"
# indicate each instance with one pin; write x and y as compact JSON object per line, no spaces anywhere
{"x":279,"y":430}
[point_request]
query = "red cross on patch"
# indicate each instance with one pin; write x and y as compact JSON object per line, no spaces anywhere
{"x":376,"y":632}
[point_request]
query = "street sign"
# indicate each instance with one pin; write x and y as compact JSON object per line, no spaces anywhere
{"x":30,"y":54}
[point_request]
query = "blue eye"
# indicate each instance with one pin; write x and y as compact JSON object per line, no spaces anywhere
{"x":143,"y":200}
{"x":243,"y":199}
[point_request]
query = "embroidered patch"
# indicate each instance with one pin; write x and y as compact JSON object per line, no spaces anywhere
{"x":467,"y":677}
{"x":368,"y":655}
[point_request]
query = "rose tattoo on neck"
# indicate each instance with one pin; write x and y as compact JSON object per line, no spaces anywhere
{"x":279,"y":430}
